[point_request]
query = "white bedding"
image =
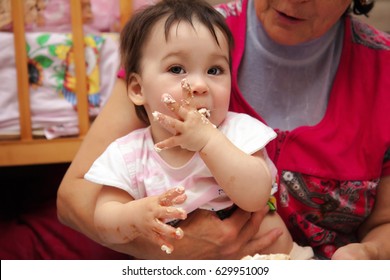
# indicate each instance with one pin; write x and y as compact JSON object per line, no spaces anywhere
{"x":51,"y":84}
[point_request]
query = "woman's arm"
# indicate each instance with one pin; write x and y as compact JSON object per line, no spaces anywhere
{"x":375,"y":232}
{"x":76,"y":196}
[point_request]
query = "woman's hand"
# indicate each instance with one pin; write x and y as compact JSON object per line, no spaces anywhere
{"x":208,"y":237}
{"x":374,"y":232}
{"x":352,"y":251}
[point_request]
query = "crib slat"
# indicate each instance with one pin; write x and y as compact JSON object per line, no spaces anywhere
{"x":80,"y":68}
{"x":38,"y":151}
{"x":126,"y":8}
{"x":17,"y":8}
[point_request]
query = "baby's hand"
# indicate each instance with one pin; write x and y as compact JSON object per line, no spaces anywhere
{"x":155,"y":211}
{"x":192,"y":129}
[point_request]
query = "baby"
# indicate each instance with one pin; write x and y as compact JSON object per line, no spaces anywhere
{"x":194,"y":153}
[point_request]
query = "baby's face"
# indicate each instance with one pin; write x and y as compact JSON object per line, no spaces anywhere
{"x":190,"y":53}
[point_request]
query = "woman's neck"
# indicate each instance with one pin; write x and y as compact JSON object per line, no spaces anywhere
{"x":288,"y":86}
{"x":310,"y":50}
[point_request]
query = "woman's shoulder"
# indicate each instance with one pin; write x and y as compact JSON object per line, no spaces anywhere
{"x":369,"y":36}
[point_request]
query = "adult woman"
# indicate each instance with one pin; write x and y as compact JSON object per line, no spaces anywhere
{"x":293,"y":62}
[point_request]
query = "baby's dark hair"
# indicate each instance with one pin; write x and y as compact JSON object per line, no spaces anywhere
{"x":137,"y":29}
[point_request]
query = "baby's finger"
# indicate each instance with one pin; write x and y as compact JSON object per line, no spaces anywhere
{"x":187,"y":92}
{"x":172,"y":196}
{"x":162,"y":231}
{"x":166,"y":247}
{"x":166,"y":144}
{"x":163,"y":243}
{"x":172,"y":213}
{"x":170,"y":102}
{"x":179,"y":109}
{"x":170,"y":124}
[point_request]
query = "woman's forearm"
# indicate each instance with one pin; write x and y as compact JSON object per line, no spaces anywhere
{"x":76,"y":200}
{"x":377,"y":243}
{"x":76,"y":197}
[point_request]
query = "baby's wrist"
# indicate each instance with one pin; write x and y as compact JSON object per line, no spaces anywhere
{"x":213,"y":140}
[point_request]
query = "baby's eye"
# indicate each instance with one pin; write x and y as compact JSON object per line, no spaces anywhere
{"x":177,"y":70}
{"x":214,"y":71}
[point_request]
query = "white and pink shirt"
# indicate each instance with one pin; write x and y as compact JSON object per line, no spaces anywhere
{"x":132,"y":164}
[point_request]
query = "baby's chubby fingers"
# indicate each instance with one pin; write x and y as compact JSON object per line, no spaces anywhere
{"x":170,"y":124}
{"x":171,"y":103}
{"x":163,"y":233}
{"x":181,"y":108}
{"x":166,"y":144}
{"x":185,"y":102}
{"x":163,"y":229}
{"x":167,"y":211}
{"x":171,"y":213}
{"x":172,"y":196}
{"x":187,"y":92}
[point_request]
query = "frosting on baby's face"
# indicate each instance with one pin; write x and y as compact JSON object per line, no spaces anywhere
{"x":205,"y":112}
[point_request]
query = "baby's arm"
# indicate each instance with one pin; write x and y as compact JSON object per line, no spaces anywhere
{"x":120,"y":219}
{"x":245,"y":178}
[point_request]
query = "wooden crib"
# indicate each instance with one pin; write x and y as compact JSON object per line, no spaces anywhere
{"x":27,"y":149}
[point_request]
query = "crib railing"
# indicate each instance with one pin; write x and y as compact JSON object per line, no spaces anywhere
{"x":27,"y":149}
{"x":17,"y":9}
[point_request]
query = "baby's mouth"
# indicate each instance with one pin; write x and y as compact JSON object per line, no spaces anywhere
{"x":205,"y":112}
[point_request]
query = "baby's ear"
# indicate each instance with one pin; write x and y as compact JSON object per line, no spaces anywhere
{"x":134,"y":89}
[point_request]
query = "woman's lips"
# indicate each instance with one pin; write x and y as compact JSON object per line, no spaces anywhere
{"x":287,"y":18}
